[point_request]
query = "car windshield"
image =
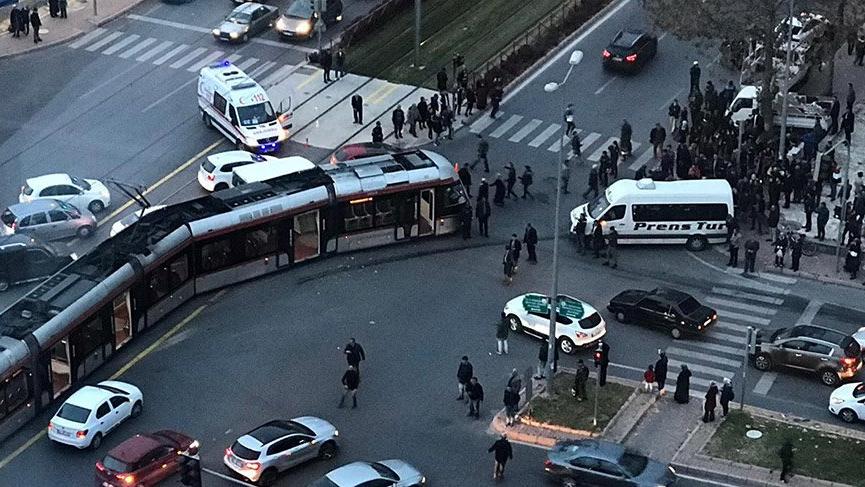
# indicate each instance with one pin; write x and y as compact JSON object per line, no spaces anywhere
{"x":384,"y":471}
{"x":66,"y":206}
{"x":256,"y":114}
{"x":243,"y":452}
{"x":633,"y":464}
{"x":689,"y":305}
{"x":239,"y":17}
{"x":80,"y":183}
{"x":115,"y":465}
{"x":599,"y":206}
{"x":300,"y":8}
{"x":73,"y":413}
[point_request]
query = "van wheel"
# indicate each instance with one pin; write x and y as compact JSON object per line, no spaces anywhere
{"x":206,"y":119}
{"x":829,"y":377}
{"x":95,"y":206}
{"x":697,"y":243}
{"x":4,"y":283}
{"x":220,"y":187}
{"x":85,"y":231}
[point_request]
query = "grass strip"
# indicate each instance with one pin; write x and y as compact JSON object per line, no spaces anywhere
{"x":564,"y":410}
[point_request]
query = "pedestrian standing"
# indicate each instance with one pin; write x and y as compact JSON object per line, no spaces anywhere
{"x":661,"y":372}
{"x":851,"y":96}
{"x":350,"y":383}
{"x":530,"y":238}
{"x":466,"y":221}
{"x":475,"y":393}
{"x":412,"y":119}
{"x":471,"y":99}
{"x":695,"y":76}
{"x":499,"y":191}
{"x":423,"y":113}
{"x":796,"y":250}
{"x":339,"y":61}
{"x":357,"y":108}
{"x":326,"y":62}
{"x":581,"y":377}
{"x":580,"y":234}
{"x":36,"y":22}
{"x":14,"y":21}
{"x":495,"y":101}
{"x":727,"y":395}
{"x":847,"y":124}
{"x":509,"y":265}
{"x":483,"y":150}
{"x":502,"y":452}
{"x":465,"y":175}
{"x":785,"y":453}
{"x":673,"y":112}
{"x":53,"y":8}
{"x":354,"y":353}
{"x":593,"y":183}
{"x":483,"y":215}
{"x":442,"y":80}
{"x":511,"y":401}
{"x":62,"y":4}
{"x":649,"y":379}
{"x":526,"y":180}
{"x":459,"y":98}
{"x":683,"y":386}
{"x":398,"y":119}
{"x":465,"y":371}
{"x":735,"y":241}
{"x":604,"y":169}
{"x":710,"y":403}
{"x":502,"y":331}
{"x":447,"y":120}
{"x":851,"y":41}
{"x":860,"y":52}
{"x":377,"y":133}
{"x":751,"y":248}
{"x":483,"y":189}
{"x":598,"y":238}
{"x":853,"y":261}
{"x":543,"y":356}
{"x":612,"y":248}
{"x":808,"y":202}
{"x":569,"y":119}
{"x":515,"y":382}
{"x":511,"y":180}
{"x":25,"y":20}
{"x":822,"y":220}
{"x":772,"y":222}
{"x":566,"y":177}
{"x":657,"y":136}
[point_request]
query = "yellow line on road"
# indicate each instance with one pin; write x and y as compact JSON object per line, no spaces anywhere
{"x":163,"y":180}
{"x":21,"y":448}
{"x":308,"y":79}
{"x":375,"y":94}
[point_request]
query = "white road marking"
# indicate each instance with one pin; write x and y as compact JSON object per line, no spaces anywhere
{"x":703,"y":369}
{"x":137,"y":48}
{"x":596,"y":156}
{"x":738,"y":339}
{"x":506,"y":126}
{"x":120,"y":45}
{"x":481,"y":124}
{"x":696,"y":355}
{"x":741,"y":306}
{"x":88,"y":37}
{"x":170,"y":54}
{"x":810,"y":312}
{"x":102,"y":42}
{"x":555,"y":146}
{"x":777,"y":278}
{"x":604,"y":86}
{"x":526,"y":130}
{"x":198,"y":51}
{"x":735,"y":293}
{"x":643,"y":159}
{"x":168,"y":95}
{"x":246,"y":64}
{"x":586,"y":142}
{"x":213,"y":56}
{"x":261,"y":69}
{"x":232,"y":58}
{"x":765,"y":383}
{"x":546,"y":134}
{"x":743,"y":317}
{"x":168,"y":23}
{"x":719,"y":348}
{"x":278,"y":75}
{"x":731,"y":326}
{"x":153,"y":52}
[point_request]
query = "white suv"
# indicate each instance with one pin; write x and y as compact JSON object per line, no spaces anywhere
{"x":216,"y":171}
{"x":578,"y":323}
{"x":93,"y":411}
{"x":81,"y":193}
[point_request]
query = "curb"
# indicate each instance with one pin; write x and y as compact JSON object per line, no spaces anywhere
{"x":852,"y":283}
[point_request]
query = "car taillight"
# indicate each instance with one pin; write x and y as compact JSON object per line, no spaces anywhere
{"x":211,"y":177}
{"x":126,"y":478}
{"x":580,"y":335}
{"x":228,"y":452}
{"x":631,"y":58}
{"x":607,"y":54}
{"x":849,"y":362}
{"x":100,"y":467}
{"x":50,"y":425}
{"x":81,"y":434}
{"x":252,"y":465}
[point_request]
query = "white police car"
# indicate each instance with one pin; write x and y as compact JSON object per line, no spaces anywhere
{"x":578,"y":324}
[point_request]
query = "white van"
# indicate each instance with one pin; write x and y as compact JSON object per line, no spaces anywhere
{"x":239,"y":107}
{"x":691,"y":212}
{"x":262,"y":171}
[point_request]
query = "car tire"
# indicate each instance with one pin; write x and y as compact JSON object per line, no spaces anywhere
{"x":848,"y":415}
{"x":763,"y":362}
{"x":84,"y":232}
{"x":697,"y":243}
{"x":268,"y":478}
{"x":136,"y":409}
{"x":622,"y":317}
{"x":4,"y":283}
{"x":220,"y":187}
{"x":514,"y":323}
{"x":567,"y":346}
{"x":95,"y":207}
{"x":96,"y":441}
{"x":829,"y":377}
{"x":675,"y":332}
{"x":208,"y":122}
{"x":327,"y":450}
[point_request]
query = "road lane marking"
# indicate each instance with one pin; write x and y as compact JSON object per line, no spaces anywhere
{"x":643,"y":159}
{"x":153,"y":52}
{"x":765,"y":383}
{"x":249,"y":62}
{"x":168,"y":95}
{"x":480,"y":124}
{"x":87,"y":38}
{"x":596,"y":156}
{"x":197,"y":65}
{"x":120,"y":45}
{"x":735,"y":293}
{"x":137,"y":48}
{"x":777,"y":278}
{"x":526,"y":130}
{"x":505,"y":127}
{"x":810,"y":312}
{"x":697,"y":355}
{"x":261,"y":69}
{"x":703,"y":369}
{"x":22,"y":448}
{"x":170,"y":54}
{"x":277,"y":76}
{"x":546,"y":134}
{"x":198,"y":51}
{"x":738,"y":339}
{"x":743,"y":317}
{"x":741,"y":306}
{"x":604,"y":86}
{"x":726,"y":325}
{"x":105,"y":40}
{"x":719,"y":348}
{"x":168,"y":23}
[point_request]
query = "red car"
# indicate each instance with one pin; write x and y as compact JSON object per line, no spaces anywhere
{"x":144,"y":460}
{"x":362,"y":149}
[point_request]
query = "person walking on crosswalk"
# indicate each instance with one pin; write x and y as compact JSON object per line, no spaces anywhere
{"x":499,"y":191}
{"x":526,"y":180}
{"x":483,"y":150}
{"x":576,"y":146}
{"x":511,"y":180}
{"x":569,"y":119}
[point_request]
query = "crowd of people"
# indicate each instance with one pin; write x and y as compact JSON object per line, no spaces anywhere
{"x":21,"y":19}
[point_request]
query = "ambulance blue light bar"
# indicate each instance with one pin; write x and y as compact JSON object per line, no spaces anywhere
{"x":221,"y":64}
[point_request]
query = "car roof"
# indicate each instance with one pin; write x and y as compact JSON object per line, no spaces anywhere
{"x":593,"y":448}
{"x":818,"y":333}
{"x":41,"y":204}
{"x":247,"y":7}
{"x":132,"y":449}
{"x":272,"y":431}
{"x":94,"y":395}
{"x":627,"y":38}
{"x":670,"y":295}
{"x":46,"y":180}
{"x":353,"y":474}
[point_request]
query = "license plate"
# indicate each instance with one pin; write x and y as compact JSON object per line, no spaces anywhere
{"x":616,"y":58}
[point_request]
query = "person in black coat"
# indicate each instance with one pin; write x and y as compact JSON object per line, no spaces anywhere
{"x":499,"y":191}
{"x":350,"y":382}
{"x":710,"y":403}
{"x":357,"y":108}
{"x":502,"y":452}
{"x":466,"y":220}
{"x":36,"y":22}
{"x":15,"y":21}
{"x":530,"y":238}
{"x":326,"y":62}
{"x":464,"y":375}
{"x":526,"y":180}
{"x":516,"y":247}
{"x":661,"y":372}
{"x":377,"y":134}
{"x":24,"y":20}
{"x":511,"y":180}
{"x":483,"y":189}
{"x":354,"y":353}
{"x":598,"y":238}
{"x":727,"y":395}
{"x":53,"y":8}
{"x":465,"y":176}
{"x":543,"y":357}
{"x":483,"y":215}
{"x":398,"y":119}
{"x":683,"y":386}
{"x":475,"y":393}
{"x":423,"y":113}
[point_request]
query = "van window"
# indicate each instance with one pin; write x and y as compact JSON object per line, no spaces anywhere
{"x":597,"y":207}
{"x":219,"y":102}
{"x":233,"y":114}
{"x":615,"y":213}
{"x":679,"y":212}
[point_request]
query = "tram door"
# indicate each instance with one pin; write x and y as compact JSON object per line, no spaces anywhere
{"x":122,"y":320}
{"x":307,"y":237}
{"x":426,"y":221}
{"x":61,"y":372}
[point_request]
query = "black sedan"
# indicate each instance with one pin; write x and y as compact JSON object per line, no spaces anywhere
{"x":672,"y":310}
{"x":597,"y":462}
{"x":630,"y":50}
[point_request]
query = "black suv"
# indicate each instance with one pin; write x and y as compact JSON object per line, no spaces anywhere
{"x":23,"y":259}
{"x":667,"y":308}
{"x":832,"y":355}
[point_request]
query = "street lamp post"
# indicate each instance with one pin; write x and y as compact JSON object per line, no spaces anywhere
{"x":782,"y":144}
{"x":574,"y":60}
{"x":843,"y":222}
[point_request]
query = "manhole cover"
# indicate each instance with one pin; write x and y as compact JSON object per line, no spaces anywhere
{"x":754,"y":434}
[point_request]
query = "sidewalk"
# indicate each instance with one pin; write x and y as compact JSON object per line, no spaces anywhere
{"x":56,"y":30}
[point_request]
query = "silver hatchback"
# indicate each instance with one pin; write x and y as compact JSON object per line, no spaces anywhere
{"x":48,"y":219}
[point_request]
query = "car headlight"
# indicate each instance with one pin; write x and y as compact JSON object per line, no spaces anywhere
{"x":335,"y":432}
{"x":836,"y":400}
{"x":216,"y":32}
{"x":234,"y":35}
{"x":304,"y":27}
{"x":280,"y":24}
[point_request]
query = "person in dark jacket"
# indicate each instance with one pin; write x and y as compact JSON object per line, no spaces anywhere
{"x":511,"y":180}
{"x":466,"y":220}
{"x":423,"y":113}
{"x":350,"y":382}
{"x":695,"y":76}
{"x":751,"y":248}
{"x":475,"y":393}
{"x":398,"y":119}
{"x":465,"y":176}
{"x":593,"y":183}
{"x":499,"y":191}
{"x":502,"y":452}
{"x":727,"y":395}
{"x":853,"y":261}
{"x":516,"y":247}
{"x":471,"y":99}
{"x":502,"y":331}
{"x":53,"y":8}
{"x":482,"y":212}
{"x":661,"y":372}
{"x":530,"y":238}
{"x":526,"y":180}
{"x":15,"y":21}
{"x":796,"y":250}
{"x":338,"y":63}
{"x":683,"y":386}
{"x":543,"y":357}
{"x":581,"y":377}
{"x":357,"y":108}
{"x":354,"y":353}
{"x":326,"y":62}
{"x":657,"y":136}
{"x":612,"y":248}
{"x":465,"y":371}
{"x":822,"y":220}
{"x":483,"y":190}
{"x":509,"y":265}
{"x":580,"y":234}
{"x":735,"y":242}
{"x":377,"y":134}
{"x":36,"y":22}
{"x":62,"y":4}
{"x":848,"y":124}
{"x":598,"y":238}
{"x":24,"y":20}
{"x":511,"y":401}
{"x":710,"y":403}
{"x":785,"y":453}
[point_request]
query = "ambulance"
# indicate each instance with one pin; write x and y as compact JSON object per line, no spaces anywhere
{"x":237,"y":106}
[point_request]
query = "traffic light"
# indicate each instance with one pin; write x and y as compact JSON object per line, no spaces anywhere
{"x":190,"y":470}
{"x":602,"y":360}
{"x":599,"y":354}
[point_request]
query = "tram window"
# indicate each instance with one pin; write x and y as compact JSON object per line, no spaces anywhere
{"x":168,"y":277}
{"x":384,"y":212}
{"x":216,"y":255}
{"x":15,"y":394}
{"x":451,"y":197}
{"x":260,"y":242}
{"x":406,"y":207}
{"x":90,"y":336}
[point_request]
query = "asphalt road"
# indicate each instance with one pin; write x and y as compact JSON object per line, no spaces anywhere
{"x":270,"y":348}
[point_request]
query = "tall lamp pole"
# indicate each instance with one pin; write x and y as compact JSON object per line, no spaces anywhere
{"x":782,"y":144}
{"x":574,"y":60}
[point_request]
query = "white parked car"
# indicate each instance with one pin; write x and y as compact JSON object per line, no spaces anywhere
{"x":391,"y":473}
{"x":216,"y":171}
{"x":81,"y":193}
{"x":578,"y":324}
{"x":131,"y":218}
{"x":848,"y":402}
{"x":93,"y":411}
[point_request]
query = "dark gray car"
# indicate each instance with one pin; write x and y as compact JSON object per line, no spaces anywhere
{"x":602,"y":463}
{"x":244,"y":21}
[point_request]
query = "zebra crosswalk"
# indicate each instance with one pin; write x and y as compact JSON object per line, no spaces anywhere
{"x":173,"y":55}
{"x":537,"y":133}
{"x":718,"y":354}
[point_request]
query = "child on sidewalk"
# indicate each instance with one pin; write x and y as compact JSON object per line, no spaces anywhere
{"x":649,"y":379}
